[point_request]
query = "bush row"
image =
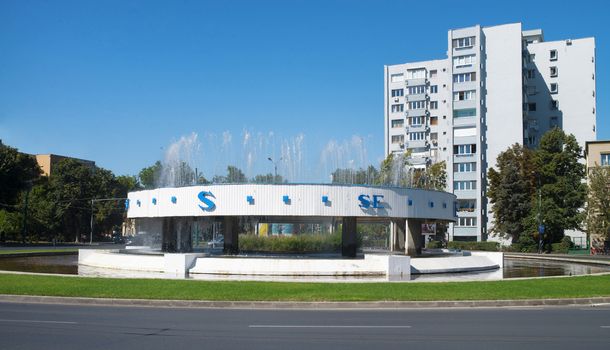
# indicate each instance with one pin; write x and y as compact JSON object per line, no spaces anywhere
{"x":304,"y":243}
{"x":484,"y":246}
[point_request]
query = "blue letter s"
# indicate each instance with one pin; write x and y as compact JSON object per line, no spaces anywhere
{"x":365,"y":201}
{"x":203,"y":198}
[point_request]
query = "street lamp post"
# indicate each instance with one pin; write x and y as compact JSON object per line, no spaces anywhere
{"x":274,"y":168}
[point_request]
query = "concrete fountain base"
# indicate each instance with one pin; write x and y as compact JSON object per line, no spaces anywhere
{"x":181,"y":265}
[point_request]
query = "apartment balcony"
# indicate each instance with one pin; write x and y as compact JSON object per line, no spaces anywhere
{"x":463,"y":158}
{"x":416,"y":97}
{"x":465,"y":104}
{"x":465,"y":231}
{"x":465,"y":194}
{"x":471,"y":50}
{"x":418,"y":160}
{"x":465,"y":121}
{"x":417,"y":112}
{"x":466,"y":212}
{"x":417,"y":128}
{"x":466,"y":85}
{"x":418,"y":144}
{"x":465,"y":176}
{"x":416,"y":82}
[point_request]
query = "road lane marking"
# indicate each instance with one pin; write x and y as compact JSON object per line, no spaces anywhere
{"x":37,"y":321}
{"x":319,"y":326}
{"x":605,"y":326}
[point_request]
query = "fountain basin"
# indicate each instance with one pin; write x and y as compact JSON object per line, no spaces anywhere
{"x":181,"y":265}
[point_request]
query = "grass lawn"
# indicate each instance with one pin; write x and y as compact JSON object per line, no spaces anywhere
{"x":26,"y":251}
{"x":572,"y":287}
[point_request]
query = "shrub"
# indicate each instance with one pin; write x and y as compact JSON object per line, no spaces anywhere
{"x":435,"y":245}
{"x":303,"y":243}
{"x":526,"y":244}
{"x":484,"y":246}
{"x":563,"y":247}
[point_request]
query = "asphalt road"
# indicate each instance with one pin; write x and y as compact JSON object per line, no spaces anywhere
{"x":36,"y":326}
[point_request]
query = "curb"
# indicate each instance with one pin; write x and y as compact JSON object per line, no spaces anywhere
{"x":393,"y":305}
{"x":556,"y":258}
{"x":32,"y":254}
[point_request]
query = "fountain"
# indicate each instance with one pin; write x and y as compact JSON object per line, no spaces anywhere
{"x":178,"y":220}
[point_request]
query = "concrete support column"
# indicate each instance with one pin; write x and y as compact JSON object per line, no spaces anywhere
{"x":168,"y":235}
{"x":231,"y":235}
{"x":397,"y":234}
{"x":414,"y":241}
{"x":349,"y":244}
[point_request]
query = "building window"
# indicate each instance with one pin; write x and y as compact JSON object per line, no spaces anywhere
{"x":531,"y":107}
{"x":466,"y":205}
{"x":464,"y":95}
{"x":554,"y":88}
{"x":464,"y":150}
{"x":433,"y":73}
{"x":531,"y":73}
{"x":464,"y":113}
{"x":398,"y":138}
{"x":554,"y":105}
{"x":397,"y":92}
{"x":464,"y":77}
{"x":396,"y":78}
{"x":553,"y":55}
{"x":416,"y":121}
{"x":434,"y":89}
{"x":464,"y":61}
{"x":419,"y":73}
{"x":464,"y":185}
{"x":434,"y":120}
{"x":463,"y":42}
{"x":398,"y":108}
{"x":464,"y":167}
{"x":530,"y":90}
{"x":433,"y":104}
{"x":532,"y":57}
{"x":417,"y":105}
{"x":466,"y":222}
{"x":398,"y":123}
{"x":417,"y":90}
{"x":605,"y":159}
{"x":553,"y":122}
{"x":554,"y":72}
{"x":417,"y":136}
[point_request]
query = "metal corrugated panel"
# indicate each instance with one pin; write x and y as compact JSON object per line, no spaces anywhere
{"x":303,"y":200}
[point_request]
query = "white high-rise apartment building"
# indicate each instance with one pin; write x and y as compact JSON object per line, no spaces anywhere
{"x":498,"y":86}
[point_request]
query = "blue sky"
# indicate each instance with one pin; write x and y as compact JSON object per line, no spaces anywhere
{"x":118,"y":81}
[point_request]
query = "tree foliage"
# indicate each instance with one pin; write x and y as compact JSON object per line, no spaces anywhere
{"x":18,"y":171}
{"x":149,"y":176}
{"x":598,"y":204}
{"x":511,"y":191}
{"x":268,"y":179}
{"x":355,"y":176}
{"x":553,"y":171}
{"x":432,"y":177}
{"x":561,"y":179}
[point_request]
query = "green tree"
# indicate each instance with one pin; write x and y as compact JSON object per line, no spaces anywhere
{"x":18,"y":172}
{"x":355,"y":176}
{"x":235,"y":175}
{"x":393,"y":170}
{"x":511,"y":191}
{"x":267,"y":179}
{"x":561,"y":184}
{"x":149,"y":176}
{"x":598,"y":204}
{"x":433,"y":177}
